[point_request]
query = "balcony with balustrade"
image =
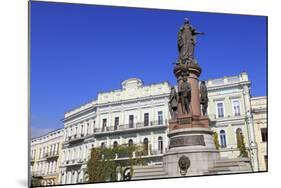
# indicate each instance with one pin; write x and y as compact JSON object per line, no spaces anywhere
{"x":43,"y":173}
{"x":73,"y":162}
{"x":52,"y":155}
{"x":75,"y":138}
{"x":131,"y":127}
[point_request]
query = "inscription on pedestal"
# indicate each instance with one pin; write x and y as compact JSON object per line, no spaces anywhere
{"x":193,"y":140}
{"x":185,"y":121}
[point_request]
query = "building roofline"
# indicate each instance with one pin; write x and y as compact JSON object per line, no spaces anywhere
{"x":62,"y":128}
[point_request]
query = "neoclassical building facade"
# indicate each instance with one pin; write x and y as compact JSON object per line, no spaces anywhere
{"x":135,"y":114}
{"x":259,"y":111}
{"x":230,"y":113}
{"x":139,"y":114}
{"x":45,"y":157}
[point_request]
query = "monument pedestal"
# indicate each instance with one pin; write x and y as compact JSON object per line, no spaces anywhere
{"x":190,"y":136}
{"x":196,"y":144}
{"x":191,"y":151}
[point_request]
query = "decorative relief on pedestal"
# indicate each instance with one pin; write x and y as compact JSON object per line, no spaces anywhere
{"x":184,"y":164}
{"x":193,"y":140}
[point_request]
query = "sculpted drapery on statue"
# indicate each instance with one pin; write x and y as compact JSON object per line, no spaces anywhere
{"x":186,"y":42}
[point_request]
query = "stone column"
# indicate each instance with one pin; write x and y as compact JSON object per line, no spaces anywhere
{"x":85,"y":128}
{"x":69,"y":177}
{"x":54,"y":166}
{"x":46,"y":167}
{"x":50,"y":167}
{"x":91,"y":126}
{"x":75,"y":177}
{"x":194,"y":73}
{"x":82,"y":175}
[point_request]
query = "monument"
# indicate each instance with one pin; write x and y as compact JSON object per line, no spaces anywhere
{"x":191,"y":146}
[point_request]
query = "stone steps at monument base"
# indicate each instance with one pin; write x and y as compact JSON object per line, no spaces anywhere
{"x":150,"y":177}
{"x":229,"y":161}
{"x":227,"y":166}
{"x":149,"y":172}
{"x":148,"y":168}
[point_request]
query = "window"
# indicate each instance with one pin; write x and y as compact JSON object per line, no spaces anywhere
{"x":145,"y":146}
{"x":236,"y":107}
{"x":130,"y":143}
{"x":88,"y":128}
{"x":94,"y":125}
{"x":103,"y":124}
{"x":131,"y":121}
{"x":239,"y":134}
{"x":160,"y":144}
{"x":102,"y":145}
{"x":160,"y":118}
{"x":116,"y":123}
{"x":223,"y":139}
{"x":146,"y":119}
{"x":264,"y":134}
{"x":115,"y":144}
{"x":220,"y":110}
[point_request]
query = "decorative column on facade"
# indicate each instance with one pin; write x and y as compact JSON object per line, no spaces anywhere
{"x":91,"y":121}
{"x":152,"y":110}
{"x":65,"y":134}
{"x":151,"y":143}
{"x":250,"y":127}
{"x":69,"y":174}
{"x":75,"y":179}
{"x":54,"y":167}
{"x":62,"y":177}
{"x":46,"y":167}
{"x":139,"y":111}
{"x":82,"y":175}
{"x":57,"y":146}
{"x":51,"y":166}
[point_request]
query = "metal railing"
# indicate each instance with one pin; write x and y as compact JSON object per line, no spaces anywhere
{"x":73,"y":162}
{"x":43,"y":173}
{"x":51,"y":154}
{"x":75,"y":137}
{"x":131,"y":126}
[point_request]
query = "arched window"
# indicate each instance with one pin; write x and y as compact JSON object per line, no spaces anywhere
{"x":102,"y":145}
{"x":239,"y":131}
{"x":223,"y":139}
{"x":160,"y":144}
{"x":130,"y":143}
{"x":145,"y":146}
{"x":239,"y":136}
{"x":115,"y":144}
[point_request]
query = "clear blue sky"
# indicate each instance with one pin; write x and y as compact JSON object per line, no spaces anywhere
{"x":80,"y":50}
